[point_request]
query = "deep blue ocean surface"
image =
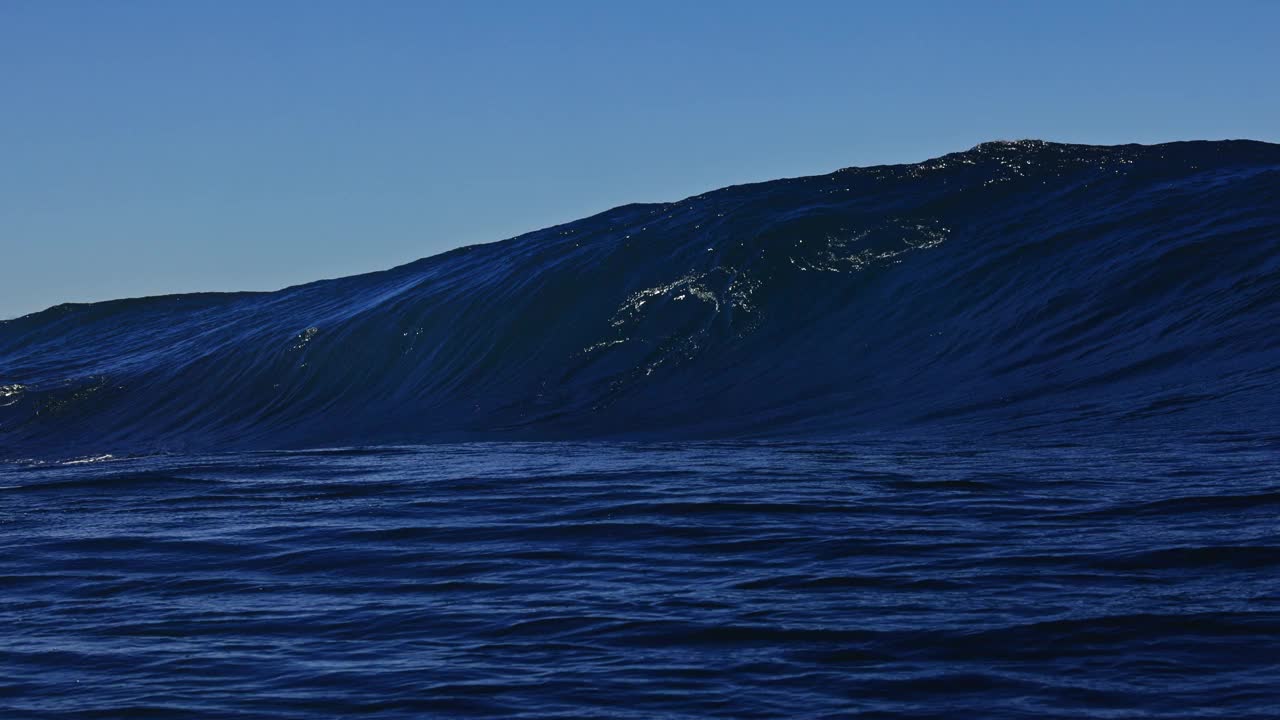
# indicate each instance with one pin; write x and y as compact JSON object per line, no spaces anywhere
{"x":895,"y":579}
{"x":994,"y":435}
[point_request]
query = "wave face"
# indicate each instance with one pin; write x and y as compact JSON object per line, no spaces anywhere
{"x":1019,"y":287}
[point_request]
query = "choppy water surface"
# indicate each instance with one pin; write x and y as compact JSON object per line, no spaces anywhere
{"x":891,"y":578}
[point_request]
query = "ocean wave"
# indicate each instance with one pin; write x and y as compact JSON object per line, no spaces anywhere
{"x":1016,"y":288}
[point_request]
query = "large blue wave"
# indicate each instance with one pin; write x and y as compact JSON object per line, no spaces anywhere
{"x":1018,"y":287}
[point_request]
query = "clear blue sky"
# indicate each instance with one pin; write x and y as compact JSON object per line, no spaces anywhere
{"x":154,"y":147}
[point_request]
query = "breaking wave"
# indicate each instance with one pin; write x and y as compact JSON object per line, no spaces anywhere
{"x":1018,"y":287}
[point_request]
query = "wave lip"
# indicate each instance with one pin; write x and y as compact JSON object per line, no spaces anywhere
{"x":1018,"y":287}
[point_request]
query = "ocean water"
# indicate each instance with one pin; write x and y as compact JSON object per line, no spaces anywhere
{"x":783,"y":579}
{"x":993,"y":435}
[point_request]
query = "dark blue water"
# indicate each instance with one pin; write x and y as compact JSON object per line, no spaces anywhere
{"x":994,"y":435}
{"x":896,"y":579}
